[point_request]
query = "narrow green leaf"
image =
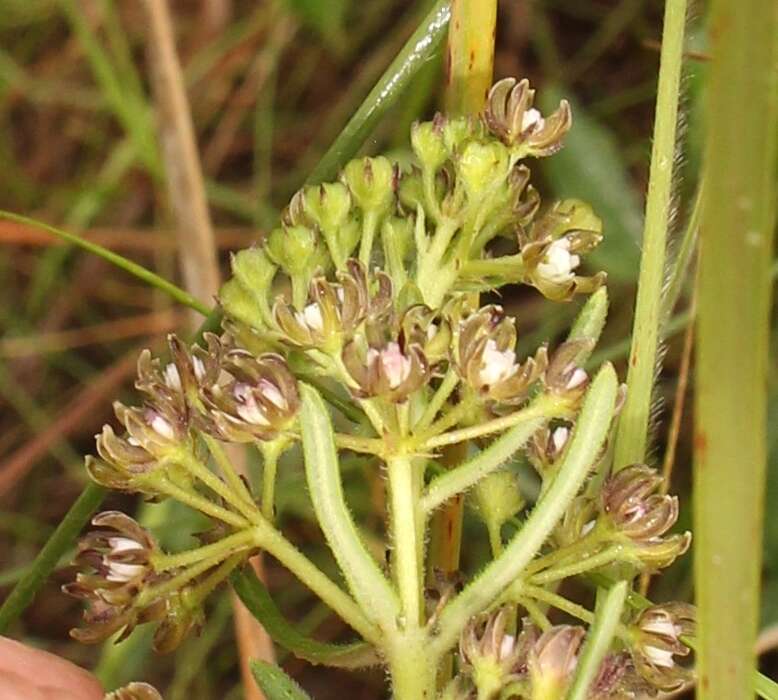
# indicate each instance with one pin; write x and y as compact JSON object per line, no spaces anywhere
{"x":732,"y":336}
{"x":423,"y":43}
{"x":275,"y":683}
{"x":62,"y":538}
{"x":257,"y":599}
{"x":633,"y":428}
{"x":598,"y":640}
{"x":133,"y":268}
{"x":589,"y":323}
{"x":368,"y":584}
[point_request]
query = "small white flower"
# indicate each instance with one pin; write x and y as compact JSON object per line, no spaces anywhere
{"x":163,"y":427}
{"x":496,"y":365}
{"x":117,"y":571}
{"x":396,"y":366}
{"x":248,"y":408}
{"x":578,"y":377}
{"x":312,"y":318}
{"x":532,"y":120}
{"x":659,"y":657}
{"x":588,"y":527}
{"x":559,"y":263}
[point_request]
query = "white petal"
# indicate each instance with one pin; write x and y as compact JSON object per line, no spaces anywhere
{"x":532,"y":119}
{"x":163,"y":427}
{"x":312,"y":317}
{"x":659,"y":657}
{"x":496,"y":365}
{"x":172,"y":377}
{"x":396,"y":366}
{"x":578,"y":377}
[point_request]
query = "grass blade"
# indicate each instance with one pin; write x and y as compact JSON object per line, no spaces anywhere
{"x":67,"y":531}
{"x":423,"y":43}
{"x":632,"y":435}
{"x":734,"y":299}
{"x":133,"y":268}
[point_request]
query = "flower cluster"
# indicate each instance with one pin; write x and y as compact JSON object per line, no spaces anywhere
{"x":358,"y":326}
{"x":497,"y":660}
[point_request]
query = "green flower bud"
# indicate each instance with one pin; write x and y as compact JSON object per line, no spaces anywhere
{"x":480,"y":166}
{"x":411,"y":190}
{"x":328,"y":205}
{"x":456,"y":132}
{"x":498,"y":499}
{"x":428,"y":143}
{"x":240,"y":304}
{"x":254,"y":270}
{"x":371,"y":181}
{"x":292,"y":249}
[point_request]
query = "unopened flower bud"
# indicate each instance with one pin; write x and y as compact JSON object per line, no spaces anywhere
{"x":657,"y":634}
{"x":491,"y":655}
{"x":371,"y":182}
{"x":552,"y":661}
{"x":420,"y":325}
{"x":245,"y":296}
{"x":428,"y":143}
{"x":480,"y":166}
{"x":292,"y":248}
{"x":641,"y":516}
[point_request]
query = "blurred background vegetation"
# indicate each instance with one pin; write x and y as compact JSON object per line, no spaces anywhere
{"x":270,"y":85}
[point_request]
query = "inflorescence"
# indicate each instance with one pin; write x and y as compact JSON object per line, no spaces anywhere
{"x":369,"y":292}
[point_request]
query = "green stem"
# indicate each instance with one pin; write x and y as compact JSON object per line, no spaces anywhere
{"x":62,"y":538}
{"x":466,"y":475}
{"x":271,"y":451}
{"x":598,"y":640}
{"x":227,"y":469}
{"x":732,"y":341}
{"x":580,"y":566}
{"x":588,"y":437}
{"x":545,"y":408}
{"x":470,"y":55}
{"x":150,"y":278}
{"x":198,"y":470}
{"x":407,"y":536}
{"x":422,"y":44}
{"x":165,"y":562}
{"x":557,"y":601}
{"x":279,"y":547}
{"x":440,"y":397}
{"x":632,"y":435}
{"x":198,"y":502}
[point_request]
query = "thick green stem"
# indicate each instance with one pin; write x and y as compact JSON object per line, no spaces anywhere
{"x":412,"y":667}
{"x":405,"y":481}
{"x":734,"y":301}
{"x":470,"y":57}
{"x":632,"y":436}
